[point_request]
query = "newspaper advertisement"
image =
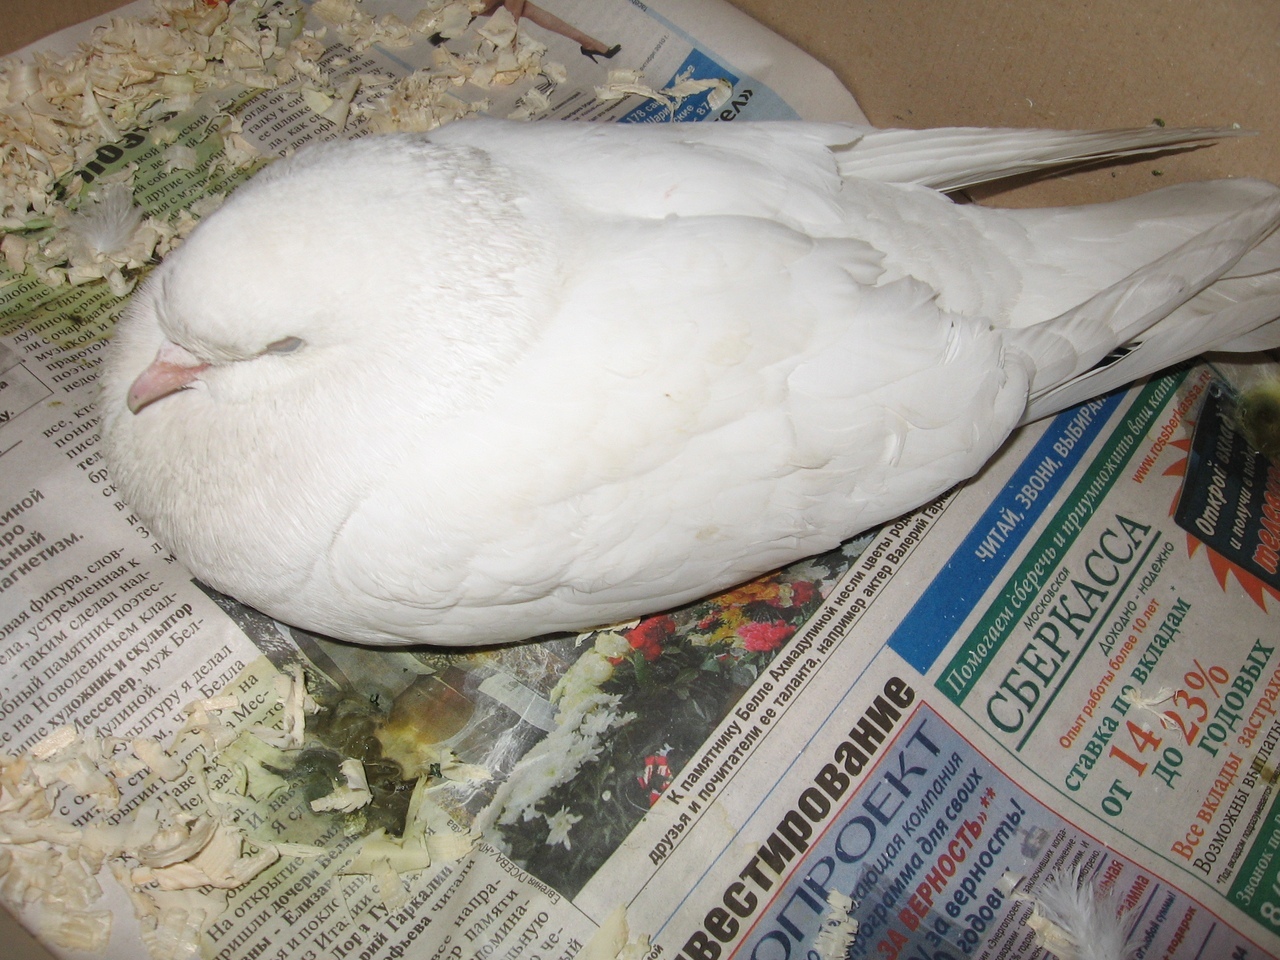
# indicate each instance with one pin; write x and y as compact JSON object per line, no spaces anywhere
{"x":1066,"y":665}
{"x":934,"y":781}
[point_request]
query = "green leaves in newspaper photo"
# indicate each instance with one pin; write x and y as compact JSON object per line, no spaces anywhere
{"x":635,"y":708}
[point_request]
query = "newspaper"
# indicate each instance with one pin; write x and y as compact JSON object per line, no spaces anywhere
{"x":1069,"y":663}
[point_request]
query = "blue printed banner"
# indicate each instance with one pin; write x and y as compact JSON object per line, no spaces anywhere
{"x":985,"y":552}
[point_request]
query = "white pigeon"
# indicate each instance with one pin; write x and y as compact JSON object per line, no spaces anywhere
{"x":509,"y":379}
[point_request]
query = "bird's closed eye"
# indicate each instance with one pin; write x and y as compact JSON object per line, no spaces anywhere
{"x":285,"y":345}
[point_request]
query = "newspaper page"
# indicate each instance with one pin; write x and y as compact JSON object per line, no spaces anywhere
{"x":1067,"y":665}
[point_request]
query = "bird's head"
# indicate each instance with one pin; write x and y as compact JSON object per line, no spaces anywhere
{"x":387,"y":251}
{"x":280,"y":274}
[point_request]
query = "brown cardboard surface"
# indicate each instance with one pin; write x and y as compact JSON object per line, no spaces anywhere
{"x":1088,"y":63}
{"x":918,"y":63}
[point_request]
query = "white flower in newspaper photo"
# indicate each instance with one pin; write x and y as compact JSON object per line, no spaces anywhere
{"x":560,"y":823}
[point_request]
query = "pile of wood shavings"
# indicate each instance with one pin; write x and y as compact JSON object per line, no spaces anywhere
{"x":180,"y":845}
{"x":58,"y":111}
{"x":499,"y":55}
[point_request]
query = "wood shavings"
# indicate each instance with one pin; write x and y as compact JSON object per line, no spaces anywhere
{"x":179,"y":156}
{"x":295,"y":704}
{"x":403,"y":855}
{"x":532,"y":104}
{"x":386,"y":858}
{"x":65,"y":757}
{"x":446,"y":847}
{"x":171,"y":922}
{"x":158,"y":759}
{"x":1144,"y":701}
{"x":390,"y":887}
{"x":718,"y":89}
{"x":130,"y":72}
{"x":838,"y":930}
{"x":359,"y":30}
{"x":626,"y":83}
{"x":54,"y":743}
{"x":299,"y":851}
{"x":613,"y":941}
{"x":175,"y":849}
{"x":220,"y":862}
{"x":349,"y":796}
{"x":205,"y":727}
{"x":504,"y":56}
{"x":447,"y":22}
{"x":419,"y":103}
{"x":58,"y":113}
{"x":500,"y":29}
{"x":428,"y":838}
{"x":332,"y":103}
{"x":252,"y":757}
{"x":237,"y":152}
{"x":89,"y":931}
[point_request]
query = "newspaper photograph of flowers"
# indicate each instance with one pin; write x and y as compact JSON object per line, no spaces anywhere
{"x":634,"y":709}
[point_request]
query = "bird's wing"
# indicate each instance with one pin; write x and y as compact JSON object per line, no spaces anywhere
{"x":782,"y":171}
{"x":704,"y":378}
{"x":1216,"y":286}
{"x":952,"y":158}
{"x":828,"y":179}
{"x":678,"y":168}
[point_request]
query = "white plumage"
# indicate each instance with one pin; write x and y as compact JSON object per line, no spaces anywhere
{"x":507,"y":379}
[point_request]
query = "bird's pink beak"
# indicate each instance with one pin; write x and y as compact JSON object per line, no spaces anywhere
{"x":171,"y":370}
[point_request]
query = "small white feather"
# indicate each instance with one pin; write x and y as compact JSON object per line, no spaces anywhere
{"x":1077,"y":921}
{"x":106,"y":225}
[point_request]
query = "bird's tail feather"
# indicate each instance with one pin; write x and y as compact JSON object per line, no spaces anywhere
{"x":952,"y":158}
{"x":1218,"y":290}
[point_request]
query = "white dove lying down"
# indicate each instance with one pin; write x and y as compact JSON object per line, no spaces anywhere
{"x":509,"y":379}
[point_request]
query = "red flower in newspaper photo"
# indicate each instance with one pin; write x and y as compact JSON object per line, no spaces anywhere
{"x":650,"y":635}
{"x":758,"y":637}
{"x":802,"y":591}
{"x":756,"y":617}
{"x":657,"y":774}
